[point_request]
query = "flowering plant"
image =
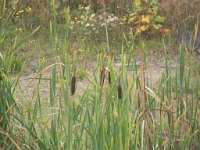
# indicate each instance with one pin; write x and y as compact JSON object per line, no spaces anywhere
{"x":144,"y":17}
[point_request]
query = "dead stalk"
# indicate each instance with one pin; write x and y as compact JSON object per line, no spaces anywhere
{"x":146,"y":114}
{"x":102,"y":76}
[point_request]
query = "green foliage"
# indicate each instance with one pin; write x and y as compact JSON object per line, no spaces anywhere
{"x":145,"y":18}
{"x":80,"y":74}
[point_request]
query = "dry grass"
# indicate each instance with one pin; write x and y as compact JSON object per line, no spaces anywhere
{"x":181,"y":14}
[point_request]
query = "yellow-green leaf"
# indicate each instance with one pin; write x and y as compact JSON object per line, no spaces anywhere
{"x":157,"y":26}
{"x":160,"y":19}
{"x":1,"y":56}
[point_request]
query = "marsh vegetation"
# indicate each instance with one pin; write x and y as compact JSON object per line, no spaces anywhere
{"x":99,"y":74}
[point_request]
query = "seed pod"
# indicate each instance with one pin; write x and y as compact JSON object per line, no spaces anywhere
{"x":73,"y":84}
{"x":119,"y":90}
{"x":102,"y":76}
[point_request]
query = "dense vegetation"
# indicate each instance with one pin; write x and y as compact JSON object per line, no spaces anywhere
{"x":120,"y":108}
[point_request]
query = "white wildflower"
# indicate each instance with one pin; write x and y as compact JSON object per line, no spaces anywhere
{"x":91,"y":17}
{"x":100,"y":17}
{"x":87,"y":25}
{"x":88,"y":7}
{"x":103,"y":24}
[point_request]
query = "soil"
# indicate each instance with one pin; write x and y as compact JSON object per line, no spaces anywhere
{"x":28,"y":82}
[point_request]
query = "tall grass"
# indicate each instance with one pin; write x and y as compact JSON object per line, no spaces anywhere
{"x":125,"y":114}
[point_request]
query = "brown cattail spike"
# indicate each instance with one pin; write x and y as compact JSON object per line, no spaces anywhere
{"x":1,"y":76}
{"x":109,"y":77}
{"x":73,"y":84}
{"x":102,"y":76}
{"x":119,"y":90}
{"x":110,"y":57}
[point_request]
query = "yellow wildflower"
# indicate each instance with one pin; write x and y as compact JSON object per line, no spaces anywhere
{"x":18,"y":29}
{"x":131,"y":19}
{"x":145,"y":19}
{"x":81,"y":50}
{"x":164,"y":31}
{"x":142,"y":28}
{"x":167,"y":30}
{"x":28,"y":9}
{"x":137,"y":3}
{"x":21,"y":11}
{"x":124,"y":18}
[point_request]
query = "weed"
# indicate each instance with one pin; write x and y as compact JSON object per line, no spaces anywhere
{"x":80,"y":74}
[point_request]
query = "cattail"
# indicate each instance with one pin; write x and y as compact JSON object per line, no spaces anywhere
{"x":110,"y":57}
{"x":109,"y":77}
{"x":1,"y":77}
{"x":119,"y":90}
{"x":73,"y":84}
{"x":102,"y":77}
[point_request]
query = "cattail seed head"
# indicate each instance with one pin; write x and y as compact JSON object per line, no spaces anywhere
{"x":73,"y":84}
{"x":119,"y":90}
{"x":102,"y":76}
{"x":109,"y":77}
{"x":1,"y":77}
